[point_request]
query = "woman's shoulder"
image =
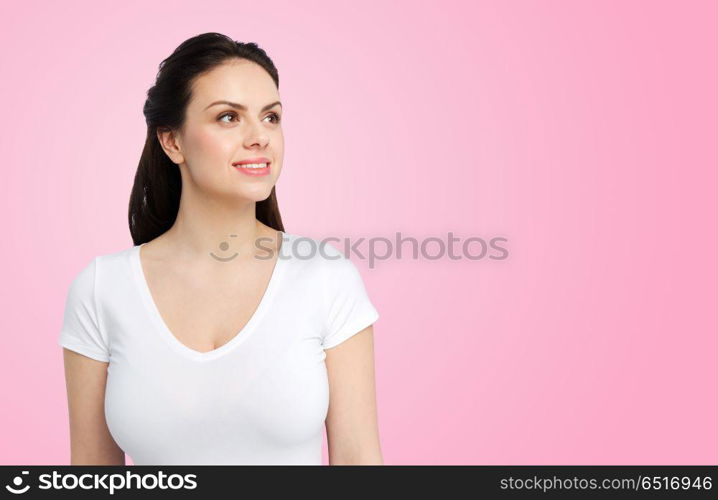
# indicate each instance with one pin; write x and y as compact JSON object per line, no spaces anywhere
{"x":91,"y":272}
{"x":104,"y":264}
{"x":320,"y":251}
{"x":321,"y":258}
{"x":116,"y":259}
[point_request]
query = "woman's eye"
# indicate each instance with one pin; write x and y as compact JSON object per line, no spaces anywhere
{"x":275,"y":116}
{"x":225,"y":114}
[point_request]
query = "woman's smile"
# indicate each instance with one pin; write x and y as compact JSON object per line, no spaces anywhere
{"x":254,"y":169}
{"x":253,"y":166}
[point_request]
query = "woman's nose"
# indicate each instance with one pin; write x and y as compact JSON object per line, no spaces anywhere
{"x":256,"y":135}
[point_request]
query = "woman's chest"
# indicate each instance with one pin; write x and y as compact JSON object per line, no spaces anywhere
{"x":271,"y":395}
{"x":205,"y":314}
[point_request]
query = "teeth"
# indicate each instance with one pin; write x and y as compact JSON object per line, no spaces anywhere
{"x":253,"y":165}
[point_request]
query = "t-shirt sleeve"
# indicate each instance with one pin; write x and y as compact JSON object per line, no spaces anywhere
{"x":348,"y":307}
{"x":81,"y":330}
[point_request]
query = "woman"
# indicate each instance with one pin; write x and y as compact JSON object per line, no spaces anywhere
{"x":217,"y":338}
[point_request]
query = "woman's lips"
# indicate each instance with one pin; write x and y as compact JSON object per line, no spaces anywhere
{"x":253,"y":171}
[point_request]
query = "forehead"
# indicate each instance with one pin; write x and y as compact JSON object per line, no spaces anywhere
{"x":241,"y":81}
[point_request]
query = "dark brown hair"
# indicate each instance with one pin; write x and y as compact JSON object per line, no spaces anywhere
{"x":155,"y":197}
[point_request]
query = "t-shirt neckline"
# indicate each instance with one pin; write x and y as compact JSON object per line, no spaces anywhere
{"x":245,"y":333}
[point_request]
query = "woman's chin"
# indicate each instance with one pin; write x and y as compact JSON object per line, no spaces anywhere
{"x":256,"y":193}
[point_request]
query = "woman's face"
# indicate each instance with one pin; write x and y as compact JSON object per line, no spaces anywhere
{"x":217,"y":135}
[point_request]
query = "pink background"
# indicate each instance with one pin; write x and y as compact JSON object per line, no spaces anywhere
{"x":584,"y":132}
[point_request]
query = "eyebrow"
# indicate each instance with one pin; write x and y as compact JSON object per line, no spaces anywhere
{"x":242,"y":106}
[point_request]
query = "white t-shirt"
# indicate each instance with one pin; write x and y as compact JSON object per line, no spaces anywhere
{"x":262,"y":398}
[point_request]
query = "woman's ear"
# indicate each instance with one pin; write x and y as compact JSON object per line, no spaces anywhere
{"x":170,"y":144}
